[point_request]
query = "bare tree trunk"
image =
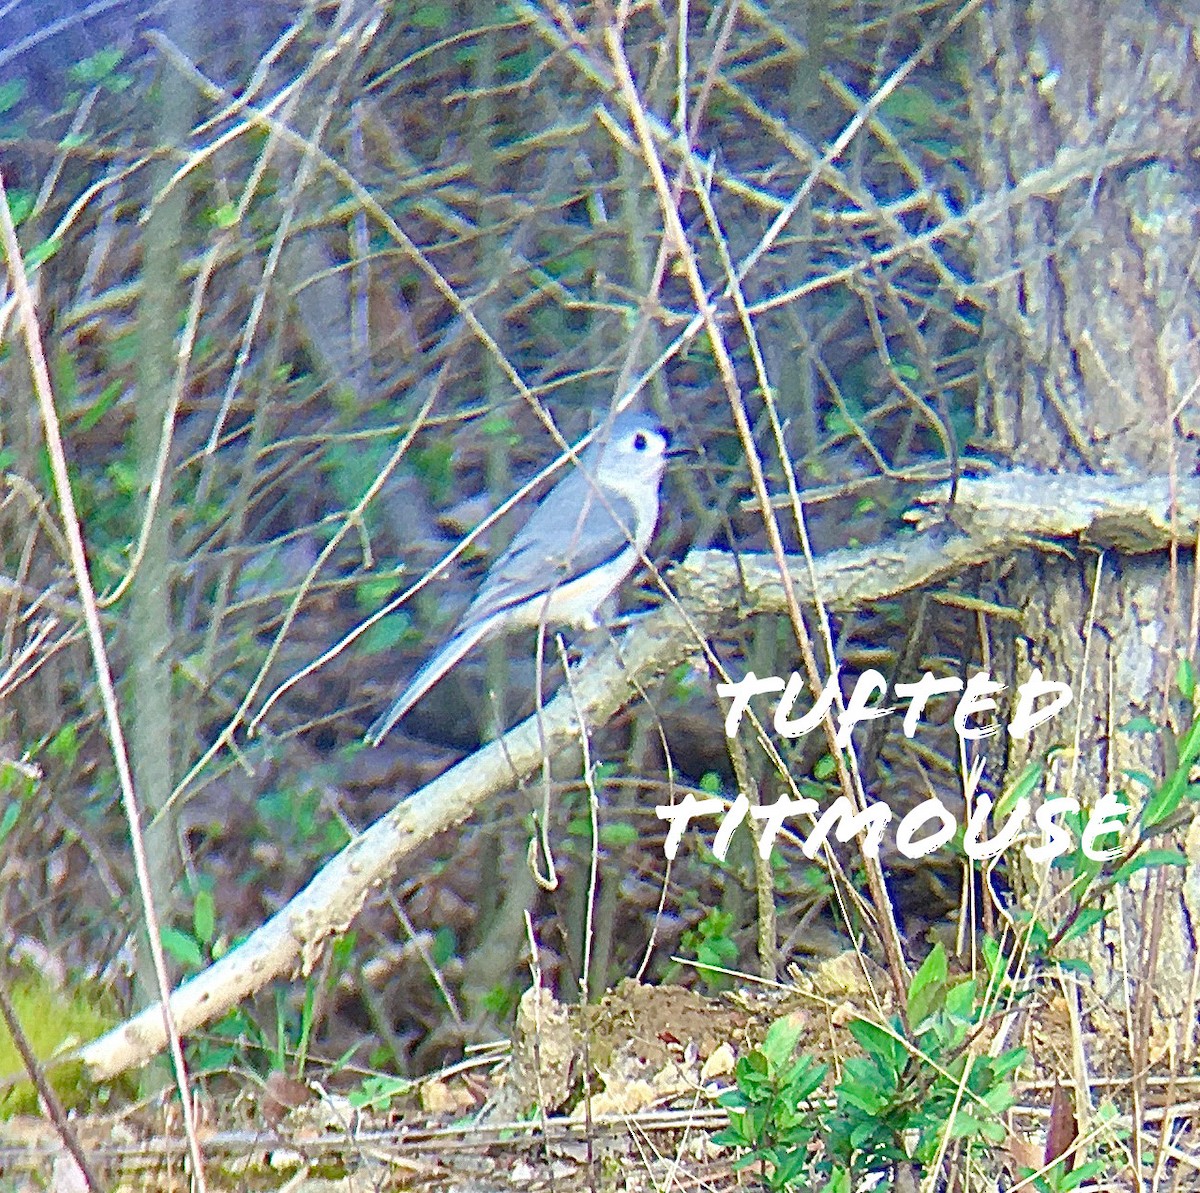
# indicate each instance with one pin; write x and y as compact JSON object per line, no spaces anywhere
{"x":1090,"y":360}
{"x":151,"y":623}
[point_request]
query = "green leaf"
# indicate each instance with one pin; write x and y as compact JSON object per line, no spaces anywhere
{"x":861,"y":1087}
{"x":879,"y":1043}
{"x":912,"y":106}
{"x":804,"y":1080}
{"x":1076,"y":1177}
{"x":1139,"y":725}
{"x":101,"y":406}
{"x":825,"y":768}
{"x":1024,"y":786}
{"x":618,"y":835}
{"x":960,"y":1001}
{"x":993,"y":1131}
{"x":1167,"y":799}
{"x":389,"y":631}
{"x":1008,"y":1062}
{"x":1000,"y":1098}
{"x":20,"y":204}
{"x":1149,"y":859}
{"x":781,"y":1039}
{"x":965,"y":1125}
{"x":992,"y":956}
{"x":12,"y":813}
{"x":1087,"y":919}
{"x":498,"y":425}
{"x":927,"y":992}
{"x":719,"y":952}
{"x":731,"y":1136}
{"x":431,"y":16}
{"x":1141,"y":778}
{"x":839,"y":1182}
{"x":1185,"y":679}
{"x":64,"y":746}
{"x":97,"y":68}
{"x":343,"y":954}
{"x":1164,"y":802}
{"x":11,"y":94}
{"x":204,"y":917}
{"x":42,"y":252}
{"x":183,"y":948}
{"x":378,"y":1092}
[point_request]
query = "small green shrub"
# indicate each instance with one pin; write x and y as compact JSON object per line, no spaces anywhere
{"x":911,"y":1092}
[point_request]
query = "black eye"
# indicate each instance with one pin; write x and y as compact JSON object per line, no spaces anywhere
{"x":640,"y":442}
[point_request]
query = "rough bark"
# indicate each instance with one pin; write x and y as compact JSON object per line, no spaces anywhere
{"x":1091,"y":354}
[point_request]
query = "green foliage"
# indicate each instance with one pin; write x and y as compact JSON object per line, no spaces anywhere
{"x":766,"y":1119}
{"x":618,"y":834}
{"x":897,"y":1101}
{"x":894,"y":1103}
{"x":20,"y":204}
{"x":299,"y":822}
{"x":18,"y":783}
{"x":711,"y":944}
{"x":613,"y":835}
{"x":682,"y":684}
{"x":433,"y":462}
{"x":1057,"y":1179}
{"x":1185,"y":680}
{"x":195,"y":947}
{"x":825,"y":768}
{"x":11,"y":93}
{"x":352,"y":466}
{"x":1164,"y":802}
{"x":501,"y":1001}
{"x":55,"y":1021}
{"x":431,"y":16}
{"x":93,"y":411}
{"x":100,"y":70}
{"x":224,"y":217}
{"x":445,"y":945}
{"x":41,"y":252}
{"x":913,"y":106}
{"x":376,"y":1093}
{"x":1155,"y":806}
{"x":388,"y":632}
{"x":570,"y":267}
{"x":498,"y":425}
{"x":240,"y":1038}
{"x":584,"y":225}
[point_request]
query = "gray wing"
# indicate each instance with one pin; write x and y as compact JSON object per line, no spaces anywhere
{"x":561,"y":540}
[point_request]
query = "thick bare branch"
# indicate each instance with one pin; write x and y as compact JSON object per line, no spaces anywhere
{"x":1000,"y":514}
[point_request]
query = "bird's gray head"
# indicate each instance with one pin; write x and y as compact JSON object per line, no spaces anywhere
{"x":630,"y":456}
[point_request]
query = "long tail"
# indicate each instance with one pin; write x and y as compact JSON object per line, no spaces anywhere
{"x":424,"y":679}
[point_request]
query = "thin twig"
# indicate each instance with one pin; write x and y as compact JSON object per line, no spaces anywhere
{"x":108,"y":695}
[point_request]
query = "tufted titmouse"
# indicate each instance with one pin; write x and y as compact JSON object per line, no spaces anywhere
{"x":581,"y":541}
